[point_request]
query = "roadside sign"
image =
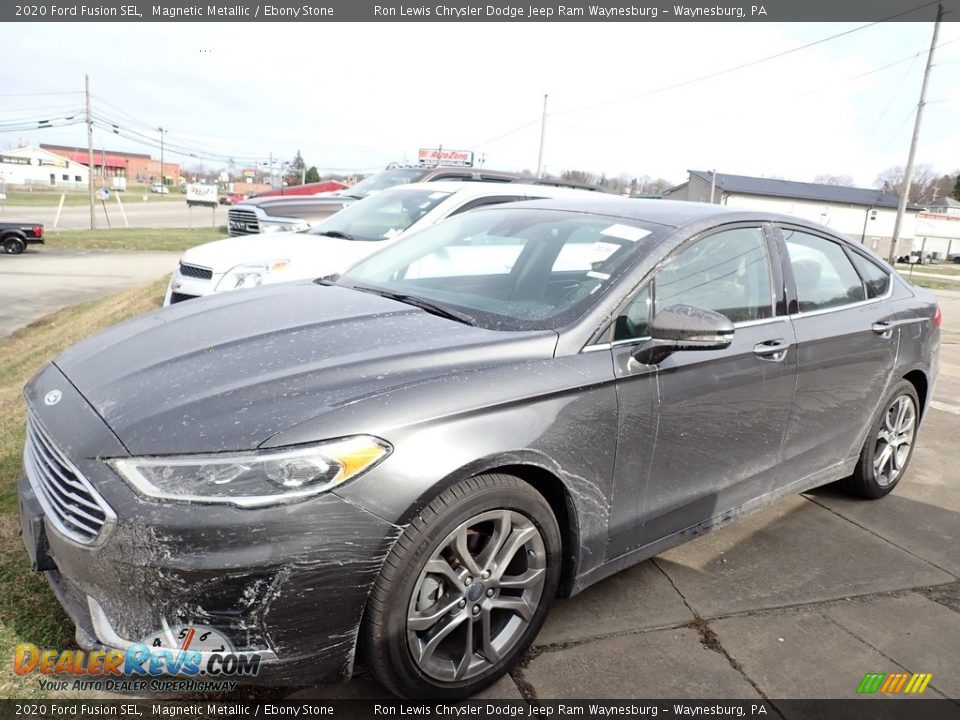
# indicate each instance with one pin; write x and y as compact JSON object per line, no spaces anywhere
{"x":201,"y":194}
{"x":436,"y":156}
{"x":103,"y":194}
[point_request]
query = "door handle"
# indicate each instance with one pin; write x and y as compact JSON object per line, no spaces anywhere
{"x":775,"y":350}
{"x":885,"y":326}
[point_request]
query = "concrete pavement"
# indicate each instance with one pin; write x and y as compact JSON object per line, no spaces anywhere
{"x":39,"y":282}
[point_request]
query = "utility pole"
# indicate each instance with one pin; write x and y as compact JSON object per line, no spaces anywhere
{"x":93,"y":217}
{"x":713,"y":185}
{"x":163,"y":182}
{"x":908,"y":171}
{"x":543,"y":133}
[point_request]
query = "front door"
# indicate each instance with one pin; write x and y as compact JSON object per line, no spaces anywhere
{"x":701,"y":433}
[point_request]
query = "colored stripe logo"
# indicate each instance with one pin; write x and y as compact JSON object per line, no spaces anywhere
{"x":893,"y":683}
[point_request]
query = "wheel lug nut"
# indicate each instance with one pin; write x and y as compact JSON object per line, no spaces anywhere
{"x":468,"y":580}
{"x":490,"y":592}
{"x":476,"y":609}
{"x":486,"y":574}
{"x":462,"y":604}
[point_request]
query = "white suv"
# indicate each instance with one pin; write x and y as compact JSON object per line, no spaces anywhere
{"x":333,"y":245}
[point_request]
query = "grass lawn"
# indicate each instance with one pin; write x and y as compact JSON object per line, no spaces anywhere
{"x":933,"y":283}
{"x":28,"y":610}
{"x":171,"y":239}
{"x":940,"y":269}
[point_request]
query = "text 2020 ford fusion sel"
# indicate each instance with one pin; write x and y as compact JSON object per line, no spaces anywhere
{"x":411,"y":462}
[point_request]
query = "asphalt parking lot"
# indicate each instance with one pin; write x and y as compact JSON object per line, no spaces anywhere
{"x":39,"y":282}
{"x":798,"y":601}
{"x":158,"y":213}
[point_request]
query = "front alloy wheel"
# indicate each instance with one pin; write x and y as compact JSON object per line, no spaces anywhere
{"x":464,"y":590}
{"x":476,"y":595}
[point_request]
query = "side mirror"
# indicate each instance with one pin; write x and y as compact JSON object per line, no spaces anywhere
{"x":684,"y":327}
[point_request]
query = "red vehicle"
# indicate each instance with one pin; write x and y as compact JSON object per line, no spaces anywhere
{"x":232,"y":198}
{"x":308,"y":189}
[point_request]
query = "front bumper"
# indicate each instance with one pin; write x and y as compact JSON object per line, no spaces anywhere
{"x":288,"y":582}
{"x":182,"y":288}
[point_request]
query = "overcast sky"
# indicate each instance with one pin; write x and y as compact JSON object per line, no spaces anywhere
{"x":361,"y":95}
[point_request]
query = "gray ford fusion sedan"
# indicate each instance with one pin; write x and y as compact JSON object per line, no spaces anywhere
{"x":408,"y":463}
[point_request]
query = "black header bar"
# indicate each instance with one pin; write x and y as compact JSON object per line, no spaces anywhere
{"x":465,"y":11}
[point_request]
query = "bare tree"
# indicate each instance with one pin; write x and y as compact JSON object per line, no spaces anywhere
{"x":843,"y":180}
{"x":580,"y":176}
{"x":924,"y":185}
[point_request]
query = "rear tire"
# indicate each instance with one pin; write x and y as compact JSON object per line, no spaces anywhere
{"x":464,"y":591}
{"x":14,"y":245}
{"x":889,"y":445}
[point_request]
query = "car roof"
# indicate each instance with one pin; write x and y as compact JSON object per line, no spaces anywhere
{"x":670,"y":213}
{"x":481,"y":189}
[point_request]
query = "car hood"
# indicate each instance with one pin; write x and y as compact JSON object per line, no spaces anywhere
{"x":310,"y":256}
{"x":334,"y":198}
{"x":229,"y":371}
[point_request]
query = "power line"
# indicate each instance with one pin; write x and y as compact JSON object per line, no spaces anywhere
{"x":743,"y":66}
{"x":34,"y":94}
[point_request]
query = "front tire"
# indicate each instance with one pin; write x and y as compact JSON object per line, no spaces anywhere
{"x":464,"y":591}
{"x":889,"y":446}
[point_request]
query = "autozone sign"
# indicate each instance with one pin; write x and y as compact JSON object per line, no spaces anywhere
{"x":436,"y":156}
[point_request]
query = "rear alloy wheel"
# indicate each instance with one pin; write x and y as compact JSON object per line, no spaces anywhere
{"x":465,"y":589}
{"x":889,"y":445}
{"x":13,"y":245}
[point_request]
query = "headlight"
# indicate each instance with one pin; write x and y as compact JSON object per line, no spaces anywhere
{"x":254,"y":479}
{"x":250,"y":275}
{"x":284,"y":227}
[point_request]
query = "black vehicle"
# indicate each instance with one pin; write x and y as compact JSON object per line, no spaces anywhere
{"x":14,"y":237}
{"x":413,"y":460}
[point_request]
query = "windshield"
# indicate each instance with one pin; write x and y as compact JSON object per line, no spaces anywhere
{"x":383,"y":180}
{"x":382,"y":216}
{"x":510,"y":269}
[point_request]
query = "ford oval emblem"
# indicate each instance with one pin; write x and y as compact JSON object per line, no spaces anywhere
{"x":52,"y":397}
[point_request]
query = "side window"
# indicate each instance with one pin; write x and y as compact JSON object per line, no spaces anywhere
{"x":875,"y":279}
{"x":635,"y":321}
{"x":728,"y":272}
{"x":824,"y":276}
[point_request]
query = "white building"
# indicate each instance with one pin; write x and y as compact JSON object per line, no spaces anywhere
{"x":34,"y":167}
{"x":865,"y":215}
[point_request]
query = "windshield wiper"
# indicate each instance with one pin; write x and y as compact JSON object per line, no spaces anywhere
{"x":336,"y":234}
{"x":422,"y":303}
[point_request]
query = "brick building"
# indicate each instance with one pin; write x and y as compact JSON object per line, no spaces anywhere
{"x":137,"y":168}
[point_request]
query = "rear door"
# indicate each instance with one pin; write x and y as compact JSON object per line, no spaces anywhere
{"x":846,"y":347}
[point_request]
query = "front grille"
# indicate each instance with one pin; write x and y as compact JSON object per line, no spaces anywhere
{"x":176,"y":297}
{"x":242,"y":221}
{"x":195,"y":272}
{"x":68,"y":499}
